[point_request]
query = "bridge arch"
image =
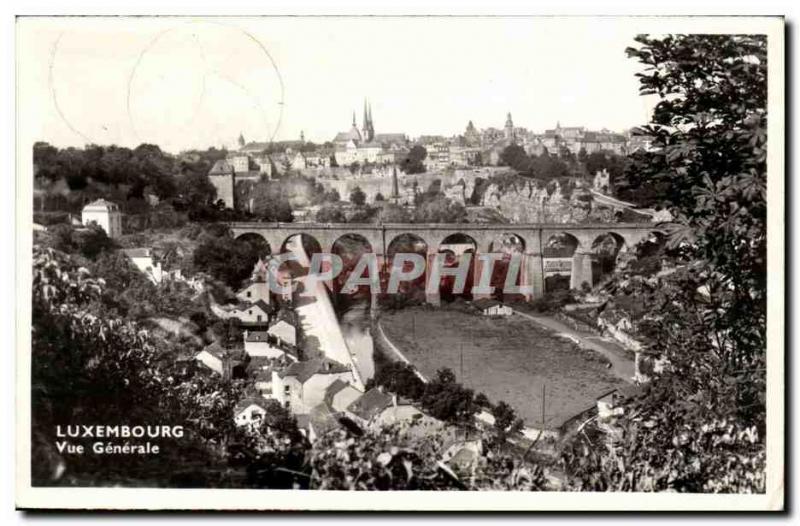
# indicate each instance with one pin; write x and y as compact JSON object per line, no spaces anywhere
{"x":606,"y":248}
{"x":558,"y":253}
{"x":408,"y":242}
{"x":510,"y":245}
{"x":455,"y":246}
{"x":428,"y":240}
{"x":307,"y":242}
{"x":350,"y":248}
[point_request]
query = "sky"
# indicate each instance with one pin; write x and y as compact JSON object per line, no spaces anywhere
{"x":187,"y":83}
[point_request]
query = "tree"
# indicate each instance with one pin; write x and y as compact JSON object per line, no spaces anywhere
{"x":610,"y":161}
{"x":515,"y":157}
{"x":447,"y":400}
{"x":400,"y":378}
{"x":196,"y":188}
{"x":506,"y":422}
{"x":331,"y":196}
{"x":270,"y":203}
{"x":331,"y":214}
{"x":700,"y":426}
{"x":225,"y":258}
{"x":358,"y":197}
{"x":89,"y":242}
{"x":547,"y":167}
{"x":413,"y":161}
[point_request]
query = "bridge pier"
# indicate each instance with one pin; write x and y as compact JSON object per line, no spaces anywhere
{"x":581,"y":269}
{"x":534,"y":275}
{"x":433,"y":297}
{"x":477,"y":269}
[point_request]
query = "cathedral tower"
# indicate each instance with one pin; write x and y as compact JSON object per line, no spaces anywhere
{"x":367,"y":129}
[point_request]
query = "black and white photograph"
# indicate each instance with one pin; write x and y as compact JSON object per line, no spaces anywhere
{"x":522,"y":262}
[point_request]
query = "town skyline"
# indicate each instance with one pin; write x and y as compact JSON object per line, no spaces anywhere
{"x":187,"y":84}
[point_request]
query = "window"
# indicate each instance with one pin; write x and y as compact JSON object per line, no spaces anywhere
{"x":258,"y":317}
{"x":287,"y":389}
{"x":248,"y":293}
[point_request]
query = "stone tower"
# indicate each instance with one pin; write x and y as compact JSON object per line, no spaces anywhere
{"x":509,"y":128}
{"x":367,"y":128}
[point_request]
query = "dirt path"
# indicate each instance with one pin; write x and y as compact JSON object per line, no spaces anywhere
{"x":621,"y":365}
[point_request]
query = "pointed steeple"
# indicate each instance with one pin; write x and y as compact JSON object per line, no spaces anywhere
{"x":354,"y":119}
{"x":367,"y":130}
{"x":241,"y":140}
{"x":371,"y":124}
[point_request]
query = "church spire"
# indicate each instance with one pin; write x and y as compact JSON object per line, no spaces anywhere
{"x":367,"y":130}
{"x":354,"y":119}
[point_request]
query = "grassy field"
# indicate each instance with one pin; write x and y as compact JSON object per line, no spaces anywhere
{"x":507,"y":359}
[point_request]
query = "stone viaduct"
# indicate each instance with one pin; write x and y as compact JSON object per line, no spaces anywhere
{"x":533,"y":239}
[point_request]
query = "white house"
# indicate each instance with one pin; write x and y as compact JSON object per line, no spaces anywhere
{"x":142,"y":258}
{"x":105,"y":214}
{"x":255,"y":291}
{"x":302,"y":385}
{"x":250,"y":412}
{"x":368,"y":406}
{"x":215,"y":358}
{"x":284,"y":331}
{"x":248,"y":313}
{"x":261,"y":344}
{"x":257,"y":288}
{"x":489,"y":307}
{"x":377,"y":408}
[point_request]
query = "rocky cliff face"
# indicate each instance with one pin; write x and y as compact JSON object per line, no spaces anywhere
{"x":530,"y":202}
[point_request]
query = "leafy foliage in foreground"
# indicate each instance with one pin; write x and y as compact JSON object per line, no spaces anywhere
{"x":93,"y":369}
{"x":701,"y":426}
{"x":393,"y":458}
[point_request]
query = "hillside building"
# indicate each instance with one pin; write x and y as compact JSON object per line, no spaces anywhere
{"x":104,"y":214}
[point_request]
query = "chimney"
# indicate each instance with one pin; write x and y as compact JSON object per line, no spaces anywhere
{"x":394,"y":400}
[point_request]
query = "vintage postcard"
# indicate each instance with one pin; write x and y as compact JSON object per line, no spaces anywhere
{"x":464,"y":263}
